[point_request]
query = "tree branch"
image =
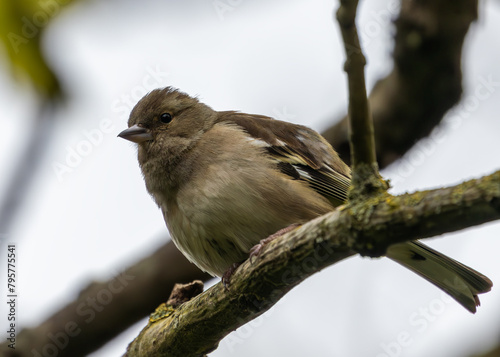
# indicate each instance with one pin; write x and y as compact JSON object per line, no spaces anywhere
{"x":361,"y":128}
{"x":196,"y":327}
{"x":426,"y":80}
{"x":429,"y":74}
{"x":105,"y":308}
{"x":365,"y":177}
{"x":18,"y":185}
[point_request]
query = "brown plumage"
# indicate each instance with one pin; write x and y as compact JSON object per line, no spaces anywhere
{"x":226,"y":180}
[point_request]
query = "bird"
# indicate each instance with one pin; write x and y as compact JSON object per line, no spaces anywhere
{"x":226,"y":180}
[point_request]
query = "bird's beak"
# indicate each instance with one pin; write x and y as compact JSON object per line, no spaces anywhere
{"x":136,"y":134}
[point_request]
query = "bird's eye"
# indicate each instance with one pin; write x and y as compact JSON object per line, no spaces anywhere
{"x":165,"y":118}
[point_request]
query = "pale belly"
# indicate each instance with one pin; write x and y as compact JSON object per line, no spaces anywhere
{"x":214,"y":242}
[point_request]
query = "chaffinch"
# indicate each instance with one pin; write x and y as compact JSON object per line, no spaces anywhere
{"x":226,"y":180}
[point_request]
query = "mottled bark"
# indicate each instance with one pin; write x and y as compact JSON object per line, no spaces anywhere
{"x":196,"y":327}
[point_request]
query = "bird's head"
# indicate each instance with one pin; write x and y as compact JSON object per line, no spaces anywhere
{"x":169,"y":121}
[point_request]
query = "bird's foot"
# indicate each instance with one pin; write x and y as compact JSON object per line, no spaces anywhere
{"x":257,"y":249}
{"x":226,"y":277}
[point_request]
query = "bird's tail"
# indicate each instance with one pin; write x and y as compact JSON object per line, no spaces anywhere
{"x":459,"y":281}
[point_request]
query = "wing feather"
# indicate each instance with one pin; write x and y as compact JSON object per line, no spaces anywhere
{"x":299,"y":152}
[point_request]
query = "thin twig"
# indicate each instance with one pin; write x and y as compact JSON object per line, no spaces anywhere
{"x":361,"y":126}
{"x":426,"y":80}
{"x":389,"y":106}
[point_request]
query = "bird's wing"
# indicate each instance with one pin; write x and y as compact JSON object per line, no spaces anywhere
{"x":303,"y":154}
{"x":299,"y":152}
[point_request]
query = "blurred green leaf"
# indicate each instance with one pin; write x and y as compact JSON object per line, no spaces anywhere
{"x":22,"y":23}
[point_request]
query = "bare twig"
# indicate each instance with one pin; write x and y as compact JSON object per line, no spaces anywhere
{"x":426,"y":80}
{"x":425,"y":83}
{"x":363,"y":145}
{"x":365,"y":177}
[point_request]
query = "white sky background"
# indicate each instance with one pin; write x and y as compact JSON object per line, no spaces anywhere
{"x":280,"y":58}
